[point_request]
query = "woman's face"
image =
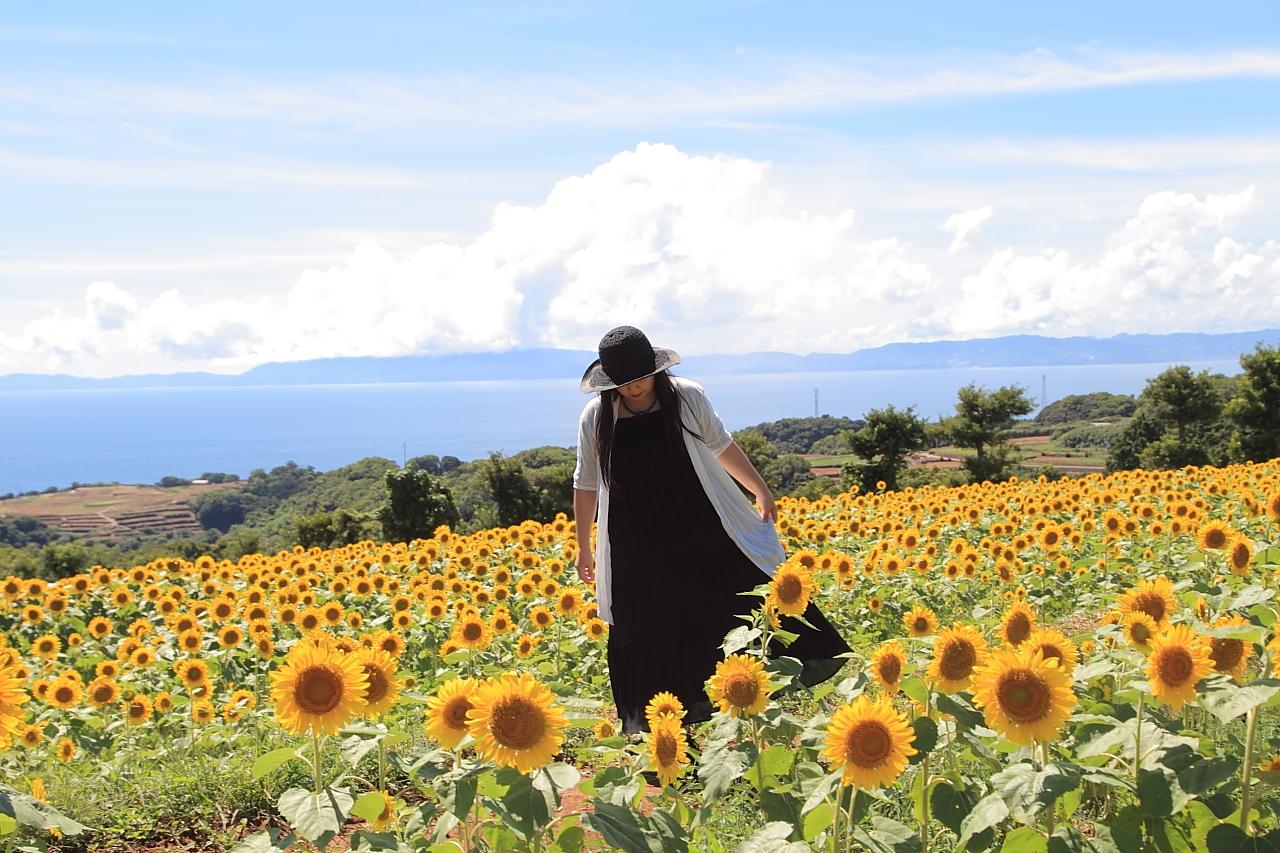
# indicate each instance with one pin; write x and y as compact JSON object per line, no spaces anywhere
{"x":638,"y":390}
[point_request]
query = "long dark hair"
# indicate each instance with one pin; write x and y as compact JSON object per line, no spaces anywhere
{"x":672,"y":424}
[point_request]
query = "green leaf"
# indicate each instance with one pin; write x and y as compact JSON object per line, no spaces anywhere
{"x":967,"y":717}
{"x":773,"y":837}
{"x":316,"y":817}
{"x":1229,"y":838}
{"x":1207,"y":774}
{"x":268,"y":762}
{"x":354,"y":748}
{"x":267,"y":841}
{"x":817,"y":820}
{"x":986,"y":815}
{"x":619,"y":826}
{"x":570,"y":839}
{"x":1024,"y":839}
{"x":37,"y":814}
{"x":888,"y":836}
{"x":926,"y":738}
{"x":1250,"y":596}
{"x":739,"y":638}
{"x":1229,"y":701}
{"x":369,"y":805}
{"x":1068,"y":840}
{"x":1154,"y":792}
{"x":915,"y":688}
{"x":523,"y":808}
{"x":776,"y":760}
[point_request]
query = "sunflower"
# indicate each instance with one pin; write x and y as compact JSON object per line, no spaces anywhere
{"x":790,"y":589}
{"x":1229,"y":655}
{"x":447,"y":711}
{"x":32,"y":735}
{"x":472,"y":632}
{"x":525,"y":645}
{"x":65,"y":693}
{"x":1140,"y":629}
{"x":317,"y":689}
{"x":387,"y":813}
{"x":1024,"y":695}
{"x":662,"y":704}
{"x":384,"y":687}
{"x":920,"y":621}
{"x":1055,"y":645}
{"x":956,"y":652}
{"x":65,"y":749}
{"x":604,"y":729}
{"x":103,"y":691}
{"x":740,"y":686}
{"x":202,"y":711}
{"x":1215,"y":536}
{"x":668,"y":749}
{"x":541,"y":616}
{"x":869,"y":741}
{"x":230,"y":636}
{"x":1177,"y":661}
{"x":515,"y":721}
{"x":887,"y":664}
{"x":46,"y":646}
{"x":1240,"y":555}
{"x":1017,"y":624}
{"x":1152,"y":597}
{"x":138,"y":709}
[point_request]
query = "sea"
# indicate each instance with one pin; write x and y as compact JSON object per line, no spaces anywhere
{"x":56,"y":438}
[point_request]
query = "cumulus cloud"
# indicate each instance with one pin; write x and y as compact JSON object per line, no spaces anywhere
{"x":706,"y":254}
{"x":964,"y":225}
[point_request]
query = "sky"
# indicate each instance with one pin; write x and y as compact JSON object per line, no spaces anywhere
{"x":211,"y":187}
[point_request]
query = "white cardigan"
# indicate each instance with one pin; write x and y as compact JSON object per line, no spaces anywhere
{"x":757,"y":539}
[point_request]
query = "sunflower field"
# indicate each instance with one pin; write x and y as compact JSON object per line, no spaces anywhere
{"x":1071,"y":665}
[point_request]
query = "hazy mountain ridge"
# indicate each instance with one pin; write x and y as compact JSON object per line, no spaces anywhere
{"x":548,"y":363}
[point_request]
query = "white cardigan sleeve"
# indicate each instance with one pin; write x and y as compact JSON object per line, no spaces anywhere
{"x":710,"y":427}
{"x":585,"y":472}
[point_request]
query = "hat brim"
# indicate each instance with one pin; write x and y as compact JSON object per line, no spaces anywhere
{"x":595,"y":379}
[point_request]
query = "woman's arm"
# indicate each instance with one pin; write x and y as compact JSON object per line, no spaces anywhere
{"x":733,"y":460}
{"x":584,"y":515}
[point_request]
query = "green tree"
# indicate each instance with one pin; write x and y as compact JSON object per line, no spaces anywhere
{"x":1254,"y":412}
{"x":885,"y":441}
{"x":63,"y":559}
{"x":981,"y":416}
{"x":1125,"y":451}
{"x":1180,"y":399}
{"x":332,"y":529}
{"x":416,"y":505}
{"x":514,"y":494}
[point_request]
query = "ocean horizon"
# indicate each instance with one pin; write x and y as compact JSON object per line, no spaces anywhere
{"x":56,"y":438}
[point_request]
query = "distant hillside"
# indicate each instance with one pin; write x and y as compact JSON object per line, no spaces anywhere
{"x":545,"y":363}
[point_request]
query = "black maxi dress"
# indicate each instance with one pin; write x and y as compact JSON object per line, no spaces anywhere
{"x":676,"y":575}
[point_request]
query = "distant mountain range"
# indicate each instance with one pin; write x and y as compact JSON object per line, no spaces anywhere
{"x":546,"y":363}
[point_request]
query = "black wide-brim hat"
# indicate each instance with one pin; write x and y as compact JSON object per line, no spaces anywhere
{"x":625,"y":356}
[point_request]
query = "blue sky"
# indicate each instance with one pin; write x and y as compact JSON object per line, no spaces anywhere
{"x":213,"y":188}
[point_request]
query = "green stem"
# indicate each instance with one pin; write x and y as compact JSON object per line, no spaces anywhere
{"x":1137,"y":743}
{"x":924,"y":786}
{"x":382,"y":767}
{"x":315,"y":757}
{"x":755,"y":736}
{"x":1246,"y":775}
{"x":853,"y":808}
{"x":1051,"y":814}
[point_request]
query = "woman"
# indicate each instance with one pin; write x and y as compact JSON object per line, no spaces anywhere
{"x":677,"y":540}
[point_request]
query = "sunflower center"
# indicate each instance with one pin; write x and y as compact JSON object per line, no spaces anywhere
{"x":868,"y":744}
{"x":789,"y":589}
{"x":472,"y":632}
{"x":102,"y":694}
{"x":319,"y":690}
{"x":1151,"y":604}
{"x":958,"y":658}
{"x":920,"y":625}
{"x":1017,"y":629}
{"x":1024,"y":696}
{"x":890,"y":669}
{"x":136,"y":709}
{"x":64,"y":694}
{"x":741,"y":689}
{"x":1215,"y":538}
{"x":455,"y":713}
{"x":1226,"y":653}
{"x":378,"y":684}
{"x":516,"y":723}
{"x":1175,"y":666}
{"x":664,"y":749}
{"x":1139,"y":633}
{"x":1049,"y":650}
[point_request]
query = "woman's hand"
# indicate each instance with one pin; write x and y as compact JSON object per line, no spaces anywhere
{"x":586,"y":564}
{"x":768,"y":511}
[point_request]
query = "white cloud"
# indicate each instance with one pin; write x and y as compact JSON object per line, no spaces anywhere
{"x":964,"y":225}
{"x":706,"y":254}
